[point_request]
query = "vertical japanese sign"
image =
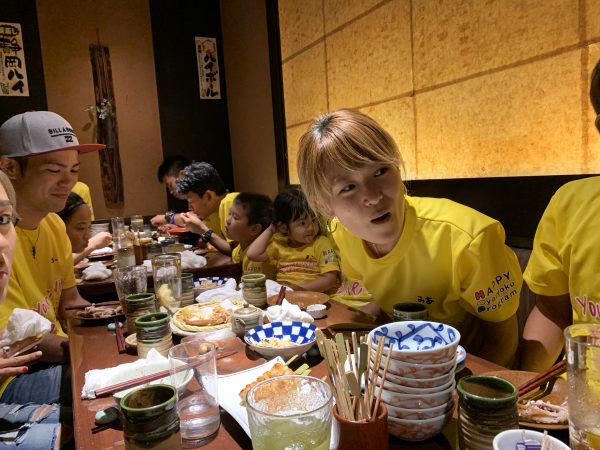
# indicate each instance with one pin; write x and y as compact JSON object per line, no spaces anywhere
{"x":13,"y":74}
{"x":208,"y":68}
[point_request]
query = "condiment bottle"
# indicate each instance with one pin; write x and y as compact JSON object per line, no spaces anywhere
{"x":487,"y":405}
{"x":254,"y":289}
{"x":244,"y":319}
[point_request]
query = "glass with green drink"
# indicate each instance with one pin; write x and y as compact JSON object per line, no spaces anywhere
{"x":293,"y":409}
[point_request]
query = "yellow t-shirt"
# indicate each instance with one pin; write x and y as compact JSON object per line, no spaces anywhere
{"x":449,"y":257}
{"x":566,"y":257}
{"x":216,"y":221}
{"x":239,"y":256}
{"x":83,"y":191}
{"x":37,"y":282}
{"x":297,"y":264}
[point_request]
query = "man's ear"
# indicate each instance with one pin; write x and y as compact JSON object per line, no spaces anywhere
{"x":209,"y":196}
{"x":10,"y":167}
{"x":598,"y":122}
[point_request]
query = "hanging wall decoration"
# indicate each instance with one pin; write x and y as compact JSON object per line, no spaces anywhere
{"x":106,"y":127}
{"x":13,"y":73}
{"x":208,"y":68}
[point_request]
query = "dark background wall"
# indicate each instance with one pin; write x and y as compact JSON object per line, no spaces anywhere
{"x":190,"y":126}
{"x":24,"y":12}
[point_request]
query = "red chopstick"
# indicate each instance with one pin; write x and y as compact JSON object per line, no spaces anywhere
{"x":119,"y":336}
{"x":556,"y":370}
{"x":280,"y":296}
{"x":147,"y":378}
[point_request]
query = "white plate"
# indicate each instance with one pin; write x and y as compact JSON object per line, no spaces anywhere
{"x":129,"y":373}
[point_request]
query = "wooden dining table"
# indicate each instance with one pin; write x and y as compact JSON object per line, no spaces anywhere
{"x":217,"y":264}
{"x":94,"y":347}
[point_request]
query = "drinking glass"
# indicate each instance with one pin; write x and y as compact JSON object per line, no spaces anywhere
{"x":117,"y":225}
{"x":293,"y":410}
{"x":582,"y":347}
{"x":137,"y":223}
{"x":167,"y":279}
{"x":197,"y":391}
{"x":130,"y":280}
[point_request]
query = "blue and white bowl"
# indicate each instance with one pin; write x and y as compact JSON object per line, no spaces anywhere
{"x":301,"y":334}
{"x":418,"y":341}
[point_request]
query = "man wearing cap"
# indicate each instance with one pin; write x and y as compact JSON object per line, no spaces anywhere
{"x":39,"y":152}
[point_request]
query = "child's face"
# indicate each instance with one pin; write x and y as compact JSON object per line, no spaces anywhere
{"x":303,"y":230}
{"x":200,"y":205}
{"x":369,"y":202}
{"x":236,"y":225}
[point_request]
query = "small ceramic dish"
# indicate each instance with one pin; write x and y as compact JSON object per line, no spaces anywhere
{"x":317,"y":311}
{"x":208,"y":283}
{"x":302,"y":335}
{"x":417,"y":401}
{"x":509,"y":438}
{"x":424,"y":413}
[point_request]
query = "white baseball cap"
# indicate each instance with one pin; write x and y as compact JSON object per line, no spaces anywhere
{"x":38,"y":132}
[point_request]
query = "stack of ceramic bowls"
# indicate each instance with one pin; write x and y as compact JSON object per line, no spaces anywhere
{"x":419,"y":384}
{"x":187,"y":289}
{"x":137,"y":305}
{"x":153,"y":332}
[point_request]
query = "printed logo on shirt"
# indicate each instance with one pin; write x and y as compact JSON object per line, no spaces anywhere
{"x":588,"y":308}
{"x":329,"y":256}
{"x":499,"y":290}
{"x":352,"y":288}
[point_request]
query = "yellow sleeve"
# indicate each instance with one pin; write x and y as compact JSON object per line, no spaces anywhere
{"x":326,"y":255}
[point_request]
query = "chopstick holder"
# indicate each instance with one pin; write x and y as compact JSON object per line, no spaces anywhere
{"x":108,"y":390}
{"x":555,"y":371}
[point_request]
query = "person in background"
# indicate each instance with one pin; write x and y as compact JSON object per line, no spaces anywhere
{"x":304,"y":258}
{"x":168,"y":172}
{"x":40,"y":154}
{"x":209,"y":203}
{"x":249,"y":215}
{"x":77,"y":217}
{"x":83,"y":190}
{"x":563,"y":266}
{"x":38,"y":425}
{"x":394,"y":247}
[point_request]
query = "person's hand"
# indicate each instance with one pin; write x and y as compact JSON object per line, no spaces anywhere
{"x":158,"y":220}
{"x":16,"y":365}
{"x":100,"y":240}
{"x":193,"y":223}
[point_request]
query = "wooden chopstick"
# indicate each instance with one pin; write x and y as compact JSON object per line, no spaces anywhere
{"x":280,"y":296}
{"x":147,"y":378}
{"x":556,"y":370}
{"x":113,"y":303}
{"x":119,"y":336}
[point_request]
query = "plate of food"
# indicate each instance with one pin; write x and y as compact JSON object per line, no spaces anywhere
{"x":301,"y":298}
{"x":283,"y":339}
{"x":207,"y":283}
{"x":202,"y":317}
{"x":547,"y":413}
{"x":95,"y":313}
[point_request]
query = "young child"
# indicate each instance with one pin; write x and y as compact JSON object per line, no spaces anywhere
{"x":249,"y":215}
{"x":209,"y":201}
{"x":304,"y":259}
{"x":396,"y":248}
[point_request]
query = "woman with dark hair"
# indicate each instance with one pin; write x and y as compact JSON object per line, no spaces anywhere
{"x":77,"y":217}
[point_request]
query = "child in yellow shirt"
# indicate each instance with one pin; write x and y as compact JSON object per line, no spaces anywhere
{"x":304,"y":258}
{"x":249,"y":215}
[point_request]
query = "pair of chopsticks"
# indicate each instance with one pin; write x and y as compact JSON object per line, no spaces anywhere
{"x":280,"y":296}
{"x":134,"y":382}
{"x":539,"y":380}
{"x":113,"y":303}
{"x":119,"y":336}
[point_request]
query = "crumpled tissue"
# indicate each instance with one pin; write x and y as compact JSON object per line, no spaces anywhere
{"x":99,"y":378}
{"x":287,"y":312}
{"x":189,"y":260}
{"x":96,"y":271}
{"x":23,"y":324}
